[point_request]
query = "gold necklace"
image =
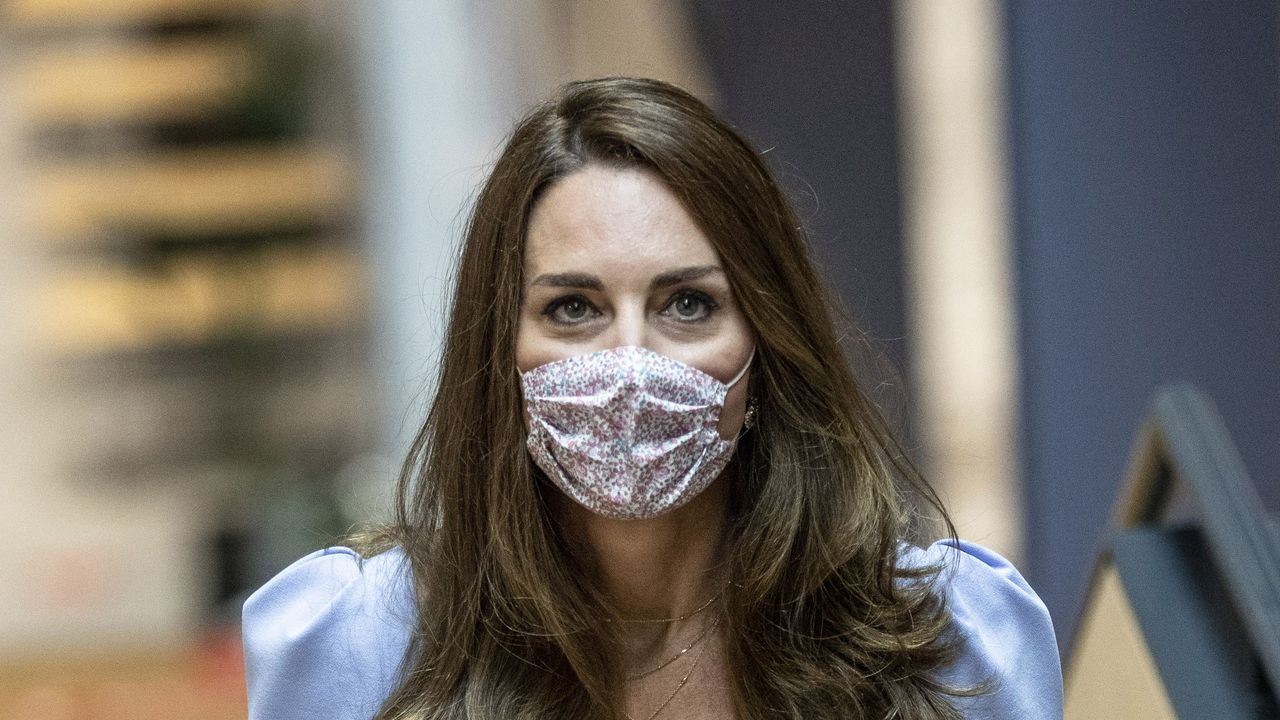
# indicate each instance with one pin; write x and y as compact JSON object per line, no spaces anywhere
{"x":686,"y":616}
{"x":683,"y":681}
{"x":705,"y":630}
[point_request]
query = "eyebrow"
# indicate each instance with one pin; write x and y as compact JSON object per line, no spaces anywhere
{"x":569,"y":280}
{"x":591,"y":282}
{"x":675,"y":277}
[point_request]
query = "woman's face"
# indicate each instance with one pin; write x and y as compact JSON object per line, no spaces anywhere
{"x":612,"y":258}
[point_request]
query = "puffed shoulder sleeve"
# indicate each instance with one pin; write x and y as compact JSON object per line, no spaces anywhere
{"x":325,"y":638}
{"x":1005,"y":632}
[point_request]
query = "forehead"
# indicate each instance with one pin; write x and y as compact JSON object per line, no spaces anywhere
{"x":604,"y":220}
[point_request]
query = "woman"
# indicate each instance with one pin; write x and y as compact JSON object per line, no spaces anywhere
{"x":649,"y":486}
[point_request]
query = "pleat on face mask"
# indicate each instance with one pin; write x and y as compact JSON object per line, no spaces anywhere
{"x":627,"y":432}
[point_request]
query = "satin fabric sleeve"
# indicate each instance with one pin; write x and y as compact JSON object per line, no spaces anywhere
{"x":1005,"y":631}
{"x":326,"y":636}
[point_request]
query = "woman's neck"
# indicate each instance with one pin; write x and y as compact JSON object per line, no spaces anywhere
{"x":663,"y":567}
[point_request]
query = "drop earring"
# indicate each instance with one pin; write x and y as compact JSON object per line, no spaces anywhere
{"x":749,"y":419}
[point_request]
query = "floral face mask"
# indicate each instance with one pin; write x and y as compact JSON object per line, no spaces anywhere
{"x":627,"y":432}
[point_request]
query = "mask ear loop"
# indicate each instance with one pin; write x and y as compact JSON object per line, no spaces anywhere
{"x":743,"y":371}
{"x":750,"y":419}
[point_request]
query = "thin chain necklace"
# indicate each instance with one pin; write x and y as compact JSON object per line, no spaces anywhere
{"x":683,"y":681}
{"x":686,"y":616}
{"x":705,"y":631}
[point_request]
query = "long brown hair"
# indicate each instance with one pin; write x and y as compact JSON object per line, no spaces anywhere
{"x":820,"y":619}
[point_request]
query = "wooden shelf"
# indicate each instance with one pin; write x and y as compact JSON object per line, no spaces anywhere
{"x":37,"y":14}
{"x":200,"y":192}
{"x":200,"y":298}
{"x":132,"y":82}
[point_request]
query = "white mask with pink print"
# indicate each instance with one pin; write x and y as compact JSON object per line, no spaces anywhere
{"x":627,"y":432}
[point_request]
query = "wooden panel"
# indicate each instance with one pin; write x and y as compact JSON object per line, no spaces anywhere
{"x":190,"y":193}
{"x":46,"y":13}
{"x":199,"y":298}
{"x":173,"y":80}
{"x":1111,"y":673}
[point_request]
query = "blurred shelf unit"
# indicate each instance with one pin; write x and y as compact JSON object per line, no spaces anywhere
{"x":221,"y":190}
{"x":131,"y":82}
{"x":187,"y":193}
{"x":124,"y":432}
{"x":262,"y":216}
{"x":191,"y":199}
{"x":201,"y":297}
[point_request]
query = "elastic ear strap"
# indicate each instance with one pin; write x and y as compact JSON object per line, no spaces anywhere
{"x":744,"y":369}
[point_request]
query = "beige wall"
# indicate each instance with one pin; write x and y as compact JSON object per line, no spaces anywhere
{"x":959,"y":261}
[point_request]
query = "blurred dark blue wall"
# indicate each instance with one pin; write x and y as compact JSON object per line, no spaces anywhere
{"x":813,"y":84}
{"x":1146,"y":159}
{"x":1146,"y":171}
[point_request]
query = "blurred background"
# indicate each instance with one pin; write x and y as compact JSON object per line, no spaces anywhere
{"x":227,"y":229}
